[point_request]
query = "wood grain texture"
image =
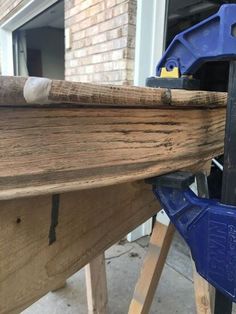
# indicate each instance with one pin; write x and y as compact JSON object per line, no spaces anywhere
{"x":152,"y":268}
{"x":86,"y":94}
{"x":204,"y":294}
{"x":51,"y":150}
{"x":96,"y":286}
{"x":89,"y":222}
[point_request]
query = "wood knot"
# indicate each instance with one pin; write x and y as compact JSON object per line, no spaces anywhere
{"x":204,"y":301}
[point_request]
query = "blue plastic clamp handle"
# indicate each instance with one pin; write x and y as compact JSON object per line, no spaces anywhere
{"x":209,"y":228}
{"x":213,"y":39}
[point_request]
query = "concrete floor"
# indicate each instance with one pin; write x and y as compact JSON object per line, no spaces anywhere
{"x":174,"y":295}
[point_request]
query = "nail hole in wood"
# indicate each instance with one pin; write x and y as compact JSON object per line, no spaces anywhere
{"x":18,"y":220}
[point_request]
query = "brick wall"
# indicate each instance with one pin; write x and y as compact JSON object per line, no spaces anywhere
{"x":102,"y":40}
{"x":8,"y":7}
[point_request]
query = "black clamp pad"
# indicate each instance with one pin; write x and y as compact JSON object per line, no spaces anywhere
{"x":177,"y":180}
{"x":173,"y":83}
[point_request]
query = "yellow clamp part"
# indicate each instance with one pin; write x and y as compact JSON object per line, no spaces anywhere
{"x":170,"y":74}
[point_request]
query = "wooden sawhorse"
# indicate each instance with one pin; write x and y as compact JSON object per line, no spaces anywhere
{"x":159,"y":246}
{"x":89,"y":222}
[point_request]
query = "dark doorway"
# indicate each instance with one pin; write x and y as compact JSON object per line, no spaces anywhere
{"x":39,"y":45}
{"x":34,"y":62}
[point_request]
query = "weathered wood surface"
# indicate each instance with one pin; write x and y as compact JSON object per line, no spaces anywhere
{"x":204,"y":294}
{"x":134,"y":134}
{"x":16,"y":91}
{"x":96,"y":286}
{"x":51,"y":150}
{"x":152,"y":268}
{"x":89,"y":222}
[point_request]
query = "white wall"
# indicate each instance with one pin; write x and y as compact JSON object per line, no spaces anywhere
{"x":51,"y":43}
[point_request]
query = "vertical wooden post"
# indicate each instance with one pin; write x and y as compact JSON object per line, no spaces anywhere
{"x":152,"y":268}
{"x":96,"y":285}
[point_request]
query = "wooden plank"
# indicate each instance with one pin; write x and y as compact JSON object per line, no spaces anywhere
{"x":204,"y":294}
{"x":96,"y":286}
{"x":17,"y":91}
{"x":89,"y":222}
{"x":152,"y":268}
{"x":149,"y":278}
{"x":54,"y":150}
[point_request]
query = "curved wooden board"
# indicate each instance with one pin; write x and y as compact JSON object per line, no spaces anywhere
{"x":52,"y":150}
{"x":18,"y":91}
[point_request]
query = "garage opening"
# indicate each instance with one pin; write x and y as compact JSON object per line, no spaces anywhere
{"x":38,"y":45}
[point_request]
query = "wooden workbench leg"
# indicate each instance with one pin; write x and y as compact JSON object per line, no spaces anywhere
{"x":204,"y":294}
{"x":152,"y":268}
{"x":96,"y":285}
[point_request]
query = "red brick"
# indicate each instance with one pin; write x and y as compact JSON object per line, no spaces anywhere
{"x":102,"y":38}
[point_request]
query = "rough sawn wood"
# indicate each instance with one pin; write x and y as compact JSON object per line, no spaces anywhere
{"x":55,"y":150}
{"x":89,"y":222}
{"x":51,"y":149}
{"x":13,"y":92}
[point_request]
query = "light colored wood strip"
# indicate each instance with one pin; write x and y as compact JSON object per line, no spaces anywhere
{"x":96,"y":286}
{"x":152,"y":268}
{"x":204,"y":294}
{"x":57,"y":150}
{"x":63,"y":92}
{"x":89,"y":222}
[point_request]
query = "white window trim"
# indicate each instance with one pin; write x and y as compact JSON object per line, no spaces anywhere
{"x":150,"y":38}
{"x":25,"y":14}
{"x":149,"y":48}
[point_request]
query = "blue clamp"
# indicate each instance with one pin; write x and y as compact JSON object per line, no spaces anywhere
{"x":209,"y":228}
{"x":213,"y":39}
